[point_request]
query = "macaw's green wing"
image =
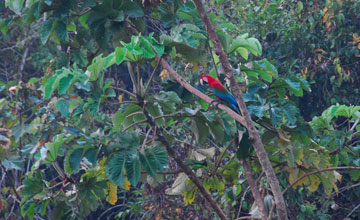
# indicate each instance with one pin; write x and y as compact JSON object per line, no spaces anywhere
{"x":244,"y":146}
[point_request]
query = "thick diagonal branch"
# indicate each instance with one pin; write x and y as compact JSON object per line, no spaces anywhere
{"x":253,"y":133}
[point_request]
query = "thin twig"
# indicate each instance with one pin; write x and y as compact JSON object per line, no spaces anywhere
{"x":135,"y":123}
{"x":354,"y":125}
{"x":152,"y":76}
{"x":218,"y":161}
{"x":132,"y":77}
{"x":248,"y":217}
{"x":352,"y":211}
{"x":242,"y":201}
{"x":124,"y":91}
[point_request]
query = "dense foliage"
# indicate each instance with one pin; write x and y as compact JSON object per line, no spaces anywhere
{"x":85,"y":108}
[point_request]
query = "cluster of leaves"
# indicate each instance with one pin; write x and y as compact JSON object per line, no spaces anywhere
{"x":78,"y":132}
{"x":315,"y":39}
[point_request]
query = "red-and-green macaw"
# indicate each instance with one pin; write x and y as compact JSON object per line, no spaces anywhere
{"x":224,"y":95}
{"x":220,"y":91}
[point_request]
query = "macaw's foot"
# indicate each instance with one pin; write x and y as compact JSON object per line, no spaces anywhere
{"x":215,"y":103}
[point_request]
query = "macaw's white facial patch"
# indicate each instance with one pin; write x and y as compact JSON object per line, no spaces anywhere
{"x":203,"y":80}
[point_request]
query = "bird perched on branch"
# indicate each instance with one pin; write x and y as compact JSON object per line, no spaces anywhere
{"x":220,"y":91}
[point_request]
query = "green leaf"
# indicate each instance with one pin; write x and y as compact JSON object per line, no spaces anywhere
{"x":61,"y":30}
{"x":158,"y":155}
{"x":46,"y":30}
{"x":118,"y":119}
{"x":252,"y":44}
{"x":49,"y":86}
{"x":147,"y":49}
{"x":98,"y":64}
{"x":216,"y":131}
{"x":15,"y":5}
{"x":53,"y":148}
{"x":83,"y":18}
{"x":133,"y":169}
{"x":128,"y":140}
{"x":294,"y":86}
{"x":244,"y":146}
{"x":201,"y":131}
{"x":243,"y":52}
{"x":115,"y":169}
{"x":148,"y":163}
{"x":120,"y":53}
{"x":73,"y":159}
{"x":14,"y":162}
{"x":155,"y":110}
{"x":132,"y":9}
{"x":91,"y":156}
{"x":64,"y":84}
{"x":33,"y":185}
{"x":63,"y":106}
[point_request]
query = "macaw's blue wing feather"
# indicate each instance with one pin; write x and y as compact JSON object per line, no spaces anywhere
{"x":227,"y":97}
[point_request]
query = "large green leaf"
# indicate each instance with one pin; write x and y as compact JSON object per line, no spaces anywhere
{"x":128,"y":140}
{"x":158,"y":155}
{"x":64,"y":84}
{"x":49,"y":86}
{"x":252,"y":44}
{"x":133,"y":169}
{"x":115,"y":169}
{"x":244,"y":146}
{"x":117,"y":119}
{"x":15,"y":5}
{"x":132,"y":9}
{"x":14,"y":162}
{"x":73,"y":159}
{"x":46,"y":30}
{"x":120,"y":53}
{"x":201,"y":131}
{"x":63,"y":106}
{"x":148,"y":163}
{"x":53,"y":148}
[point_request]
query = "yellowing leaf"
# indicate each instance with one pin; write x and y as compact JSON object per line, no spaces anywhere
{"x":315,"y":182}
{"x":319,"y":50}
{"x":338,"y":176}
{"x":326,"y":15}
{"x":127,"y":184}
{"x":164,"y":74}
{"x":319,"y":57}
{"x":302,"y":181}
{"x":112,"y":196}
{"x":120,"y":98}
{"x":189,"y":196}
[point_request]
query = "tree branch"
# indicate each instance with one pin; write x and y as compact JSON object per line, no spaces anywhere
{"x":319,"y":171}
{"x":254,"y":189}
{"x":253,"y":133}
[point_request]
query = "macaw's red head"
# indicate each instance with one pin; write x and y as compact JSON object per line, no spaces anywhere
{"x":207,"y":79}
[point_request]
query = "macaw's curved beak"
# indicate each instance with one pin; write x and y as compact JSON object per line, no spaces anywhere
{"x":201,"y":82}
